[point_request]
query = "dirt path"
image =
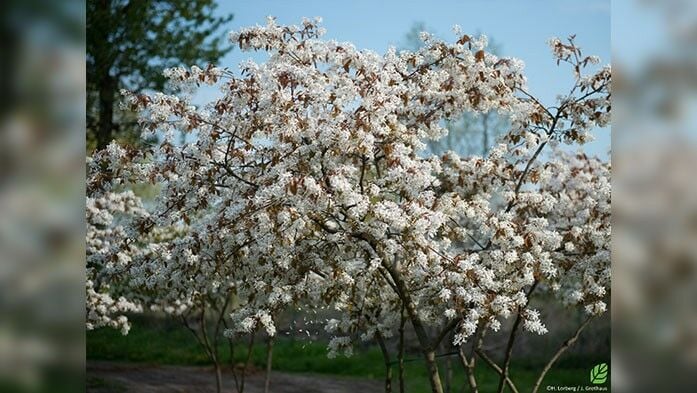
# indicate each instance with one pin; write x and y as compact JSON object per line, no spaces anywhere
{"x":108,"y":377}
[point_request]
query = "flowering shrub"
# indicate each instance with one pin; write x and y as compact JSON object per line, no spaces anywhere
{"x":303,"y":182}
{"x":108,"y":257}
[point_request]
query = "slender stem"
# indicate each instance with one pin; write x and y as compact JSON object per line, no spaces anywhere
{"x":521,"y":180}
{"x":195,"y":333}
{"x":496,"y":368}
{"x":386,"y":358}
{"x":218,"y":378}
{"x":468,"y":366}
{"x":246,"y":363}
{"x":432,"y":367}
{"x":269,"y":358}
{"x":202,"y":340}
{"x":446,"y":329}
{"x":536,"y":101}
{"x":213,"y":351}
{"x":448,"y":374}
{"x":421,"y":334}
{"x":221,"y":317}
{"x":565,"y":345}
{"x":511,"y":341}
{"x":402,"y":291}
{"x":231,"y":344}
{"x":204,"y":333}
{"x":509,"y":352}
{"x":400,"y":351}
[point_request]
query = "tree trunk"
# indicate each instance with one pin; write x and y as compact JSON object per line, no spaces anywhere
{"x":424,"y":341}
{"x":468,"y":366}
{"x":247,"y":362}
{"x":433,"y":376}
{"x":485,"y":134}
{"x":203,"y":341}
{"x":269,"y":358}
{"x":388,"y":379}
{"x":427,"y":347}
{"x":107,"y":90}
{"x":218,"y":377}
{"x":400,"y":351}
{"x":386,"y":359}
{"x":503,"y":380}
{"x":402,"y":291}
{"x":231,"y":345}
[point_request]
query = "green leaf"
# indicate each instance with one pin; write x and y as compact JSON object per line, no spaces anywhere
{"x":599,"y":374}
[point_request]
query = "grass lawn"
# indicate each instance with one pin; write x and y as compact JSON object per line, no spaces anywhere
{"x":160,"y":342}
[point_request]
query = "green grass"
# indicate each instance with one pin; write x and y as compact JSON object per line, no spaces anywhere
{"x":159,"y":342}
{"x":51,"y":381}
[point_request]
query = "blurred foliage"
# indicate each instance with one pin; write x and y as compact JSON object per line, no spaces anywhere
{"x":42,"y":196}
{"x":130,"y":43}
{"x":654,"y":156}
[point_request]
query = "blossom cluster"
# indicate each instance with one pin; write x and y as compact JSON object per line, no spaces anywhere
{"x":108,"y":257}
{"x":304,"y":183}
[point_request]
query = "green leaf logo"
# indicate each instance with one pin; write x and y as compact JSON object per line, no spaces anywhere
{"x":599,"y":374}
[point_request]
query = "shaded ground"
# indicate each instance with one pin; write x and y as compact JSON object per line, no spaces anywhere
{"x":303,"y":364}
{"x":113,"y":377}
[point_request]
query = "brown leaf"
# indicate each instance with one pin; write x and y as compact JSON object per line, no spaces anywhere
{"x":463,"y":39}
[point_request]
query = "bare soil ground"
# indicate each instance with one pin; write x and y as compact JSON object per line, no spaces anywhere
{"x":110,"y":377}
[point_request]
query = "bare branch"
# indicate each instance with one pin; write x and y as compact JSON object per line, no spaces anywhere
{"x":565,"y":345}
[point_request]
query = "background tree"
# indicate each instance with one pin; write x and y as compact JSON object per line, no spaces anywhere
{"x":470,"y":133}
{"x":129,"y":43}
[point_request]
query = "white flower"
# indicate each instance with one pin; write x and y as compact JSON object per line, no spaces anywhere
{"x":301,"y":185}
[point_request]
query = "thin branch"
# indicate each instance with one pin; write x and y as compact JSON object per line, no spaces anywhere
{"x":527,"y":168}
{"x":476,"y":242}
{"x":565,"y":345}
{"x":496,"y":368}
{"x":511,"y":340}
{"x":360,"y":182}
{"x":269,"y":358}
{"x":468,"y":365}
{"x":231,"y":345}
{"x":195,"y":333}
{"x":447,"y":329}
{"x":536,"y":101}
{"x":204,"y":333}
{"x":246,"y":363}
{"x":386,"y":358}
{"x":221,"y":316}
{"x":400,"y":350}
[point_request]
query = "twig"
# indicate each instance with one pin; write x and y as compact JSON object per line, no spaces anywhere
{"x":511,"y":340}
{"x":565,"y":345}
{"x":496,"y":368}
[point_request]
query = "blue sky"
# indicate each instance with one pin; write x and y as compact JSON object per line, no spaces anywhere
{"x":520,"y":27}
